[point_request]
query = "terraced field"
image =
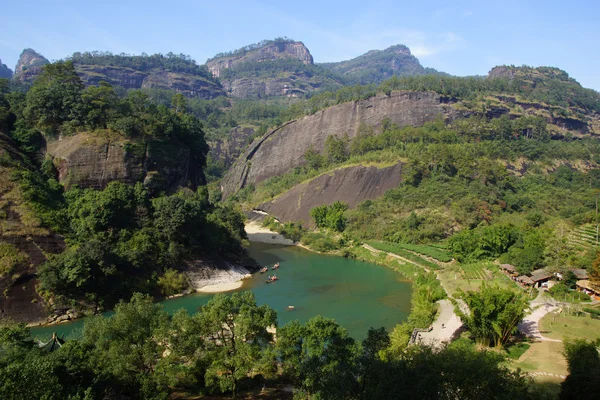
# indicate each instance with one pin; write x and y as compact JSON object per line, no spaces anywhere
{"x":584,"y":236}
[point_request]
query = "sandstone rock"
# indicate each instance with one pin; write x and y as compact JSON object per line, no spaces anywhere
{"x":29,"y":65}
{"x":63,"y":318}
{"x":229,"y":148}
{"x":94,"y":161}
{"x":272,"y":50}
{"x":351,"y":185}
{"x":282,"y":149}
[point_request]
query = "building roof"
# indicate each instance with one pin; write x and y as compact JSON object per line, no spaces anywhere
{"x":525,"y":279}
{"x":580,"y":273}
{"x":540,"y":275}
{"x":584,"y":283}
{"x":508,"y":267}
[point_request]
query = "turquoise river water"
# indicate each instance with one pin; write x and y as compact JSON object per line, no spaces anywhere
{"x":357,"y":295}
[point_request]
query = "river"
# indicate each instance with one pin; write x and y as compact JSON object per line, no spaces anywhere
{"x":356,"y":294}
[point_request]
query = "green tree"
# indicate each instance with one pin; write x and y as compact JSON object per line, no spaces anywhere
{"x":493,"y":313}
{"x":319,"y":356}
{"x":236,"y":334}
{"x":55,"y":99}
{"x":583,"y":381}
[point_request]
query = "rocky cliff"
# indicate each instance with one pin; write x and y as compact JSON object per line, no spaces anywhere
{"x":351,"y":185}
{"x":270,"y":68}
{"x":176,"y":73}
{"x":29,"y":65}
{"x":94,"y":161}
{"x":229,"y":148}
{"x":187,"y":84}
{"x":264,"y":51}
{"x":282,"y":149}
{"x":5,"y":72}
{"x":24,"y":245}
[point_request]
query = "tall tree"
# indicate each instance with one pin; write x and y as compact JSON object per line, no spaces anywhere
{"x":236,"y":334}
{"x":493,"y":313}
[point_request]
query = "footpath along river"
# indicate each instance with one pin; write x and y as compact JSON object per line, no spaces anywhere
{"x":356,"y":294}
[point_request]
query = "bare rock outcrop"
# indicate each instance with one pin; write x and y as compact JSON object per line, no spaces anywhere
{"x":351,"y":185}
{"x":271,"y":50}
{"x":189,"y":85}
{"x":92,"y":162}
{"x":203,"y":273}
{"x":29,"y":65}
{"x":282,"y":149}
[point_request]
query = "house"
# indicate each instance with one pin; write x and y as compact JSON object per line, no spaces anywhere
{"x":540,"y":278}
{"x":579,"y":273}
{"x":525,"y":280}
{"x":589,"y":288}
{"x":509,"y":269}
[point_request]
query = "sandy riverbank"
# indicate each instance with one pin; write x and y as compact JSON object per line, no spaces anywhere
{"x":258,"y":233}
{"x":221,"y":287}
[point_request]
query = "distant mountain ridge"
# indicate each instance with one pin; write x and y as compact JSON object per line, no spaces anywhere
{"x":376,"y":66}
{"x":5,"y":72}
{"x":283,"y":67}
{"x":172,"y":72}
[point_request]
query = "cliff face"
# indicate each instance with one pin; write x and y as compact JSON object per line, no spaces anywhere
{"x":283,"y":148}
{"x":5,"y":72}
{"x":93,"y":162}
{"x":24,"y":245}
{"x":272,"y":68}
{"x":351,"y":185}
{"x":29,"y":65}
{"x":229,"y":148}
{"x":187,"y":84}
{"x":271,"y":51}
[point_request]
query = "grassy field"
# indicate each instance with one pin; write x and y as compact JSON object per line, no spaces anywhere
{"x":543,"y":357}
{"x":562,"y":327}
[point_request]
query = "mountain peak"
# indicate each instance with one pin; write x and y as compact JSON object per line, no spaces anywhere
{"x":266,"y":50}
{"x":29,"y":64}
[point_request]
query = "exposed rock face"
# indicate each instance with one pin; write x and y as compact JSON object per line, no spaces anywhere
{"x":285,"y":84}
{"x":231,"y":147}
{"x":91,"y":161}
{"x":351,"y":185}
{"x":243,"y":81}
{"x":272,"y":50}
{"x":21,"y":232}
{"x":5,"y":72}
{"x":29,"y":65}
{"x":283,"y":148}
{"x":19,"y":300}
{"x":187,"y":84}
{"x":203,"y":273}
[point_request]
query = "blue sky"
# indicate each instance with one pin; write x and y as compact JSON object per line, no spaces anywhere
{"x":458,"y":37}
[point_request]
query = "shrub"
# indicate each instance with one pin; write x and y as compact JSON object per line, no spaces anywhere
{"x":172,"y":282}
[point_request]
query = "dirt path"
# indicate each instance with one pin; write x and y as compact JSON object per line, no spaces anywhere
{"x":530,"y":324}
{"x":445,"y":325}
